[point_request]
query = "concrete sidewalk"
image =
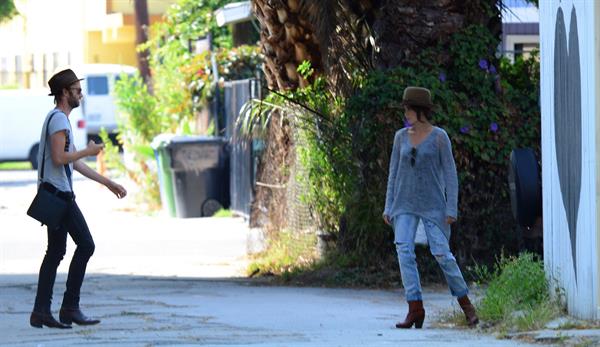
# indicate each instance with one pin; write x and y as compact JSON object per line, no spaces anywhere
{"x":159,"y":281}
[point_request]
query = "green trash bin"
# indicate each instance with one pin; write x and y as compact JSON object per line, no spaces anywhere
{"x":165,"y":177}
{"x":200,"y":173}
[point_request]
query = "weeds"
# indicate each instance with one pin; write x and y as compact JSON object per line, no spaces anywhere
{"x":287,"y":253}
{"x":222,"y":213}
{"x":518,"y":295}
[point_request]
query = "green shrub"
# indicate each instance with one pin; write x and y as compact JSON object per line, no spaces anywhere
{"x":172,"y":62}
{"x":518,"y":296}
{"x":138,"y":123}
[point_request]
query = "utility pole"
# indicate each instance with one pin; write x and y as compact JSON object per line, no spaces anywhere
{"x":141,"y":29}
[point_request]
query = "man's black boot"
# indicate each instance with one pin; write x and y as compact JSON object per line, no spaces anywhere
{"x":39,"y":319}
{"x":74,"y":315}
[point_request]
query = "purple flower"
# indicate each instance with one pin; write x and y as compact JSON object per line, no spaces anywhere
{"x":492,"y":69}
{"x":494,"y":127}
{"x":483,"y":64}
{"x":465,"y":129}
{"x":442,"y":77}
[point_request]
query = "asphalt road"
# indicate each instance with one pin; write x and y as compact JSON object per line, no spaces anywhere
{"x":160,"y":281}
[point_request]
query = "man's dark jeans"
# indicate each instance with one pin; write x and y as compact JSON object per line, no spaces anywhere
{"x":74,"y":224}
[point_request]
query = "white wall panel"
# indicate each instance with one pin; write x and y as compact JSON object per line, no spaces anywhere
{"x":566,"y":138}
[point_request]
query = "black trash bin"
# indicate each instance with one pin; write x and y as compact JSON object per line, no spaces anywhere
{"x":200,"y":174}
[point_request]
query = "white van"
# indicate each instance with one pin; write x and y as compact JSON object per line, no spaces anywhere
{"x":22,"y":114}
{"x":99,"y":107}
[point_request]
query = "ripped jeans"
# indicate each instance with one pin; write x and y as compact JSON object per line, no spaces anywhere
{"x":405,"y":226}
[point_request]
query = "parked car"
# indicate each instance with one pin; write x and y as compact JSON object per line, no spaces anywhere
{"x":22,"y":113}
{"x":99,"y":107}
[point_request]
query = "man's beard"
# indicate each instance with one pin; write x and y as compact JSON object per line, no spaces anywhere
{"x":73,"y":102}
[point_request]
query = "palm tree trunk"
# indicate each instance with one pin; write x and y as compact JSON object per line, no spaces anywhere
{"x":287,"y":40}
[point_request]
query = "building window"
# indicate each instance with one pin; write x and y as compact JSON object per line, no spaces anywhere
{"x":523,"y":49}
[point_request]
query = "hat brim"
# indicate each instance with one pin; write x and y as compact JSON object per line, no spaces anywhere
{"x":413,"y":103}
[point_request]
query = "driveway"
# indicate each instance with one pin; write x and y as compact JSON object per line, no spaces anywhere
{"x":160,"y":281}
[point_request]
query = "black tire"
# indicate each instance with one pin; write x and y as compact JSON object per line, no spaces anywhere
{"x":33,"y":155}
{"x":210,"y":207}
{"x":525,"y":186}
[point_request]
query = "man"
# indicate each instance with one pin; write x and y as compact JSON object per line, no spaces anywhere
{"x":58,"y":157}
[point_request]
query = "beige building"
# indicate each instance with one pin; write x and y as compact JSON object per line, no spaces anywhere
{"x":520,"y":29}
{"x":48,"y":34}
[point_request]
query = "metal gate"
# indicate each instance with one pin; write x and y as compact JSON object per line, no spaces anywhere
{"x":242,"y":156}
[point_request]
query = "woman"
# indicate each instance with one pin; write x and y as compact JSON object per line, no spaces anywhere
{"x":422,"y":185}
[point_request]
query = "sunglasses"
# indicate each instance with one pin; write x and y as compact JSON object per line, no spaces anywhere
{"x":413,"y":156}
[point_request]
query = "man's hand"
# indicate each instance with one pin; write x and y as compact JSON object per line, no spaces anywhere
{"x":117,"y":189}
{"x":94,"y":148}
{"x":450,"y":220}
{"x":386,"y":219}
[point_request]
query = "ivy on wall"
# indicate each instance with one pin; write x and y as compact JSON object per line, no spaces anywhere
{"x":487,"y":105}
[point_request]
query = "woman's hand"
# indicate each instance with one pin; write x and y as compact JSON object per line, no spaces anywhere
{"x":386,"y":219}
{"x":450,"y":220}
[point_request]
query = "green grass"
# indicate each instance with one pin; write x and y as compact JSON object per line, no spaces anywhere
{"x":292,"y":259}
{"x":25,"y":165}
{"x":222,"y":213}
{"x":15,"y":165}
{"x":287,"y":253}
{"x":452,"y":318}
{"x":517,"y":298}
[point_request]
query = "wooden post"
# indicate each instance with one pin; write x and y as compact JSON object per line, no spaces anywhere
{"x":141,"y":26}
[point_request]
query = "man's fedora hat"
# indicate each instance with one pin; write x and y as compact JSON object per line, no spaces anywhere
{"x":417,"y":96}
{"x":62,"y":79}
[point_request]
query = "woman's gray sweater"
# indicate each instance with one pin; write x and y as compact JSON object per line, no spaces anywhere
{"x":429,"y":189}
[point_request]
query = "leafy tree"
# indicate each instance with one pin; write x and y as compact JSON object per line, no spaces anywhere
{"x":7,"y":10}
{"x":181,"y":83}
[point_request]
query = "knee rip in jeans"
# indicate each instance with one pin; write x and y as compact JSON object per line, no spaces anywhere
{"x":443,"y":257}
{"x":403,"y":246}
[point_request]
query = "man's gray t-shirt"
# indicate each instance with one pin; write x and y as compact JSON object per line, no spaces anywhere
{"x":55,"y":173}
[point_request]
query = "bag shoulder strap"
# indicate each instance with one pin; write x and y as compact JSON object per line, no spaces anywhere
{"x":46,"y":143}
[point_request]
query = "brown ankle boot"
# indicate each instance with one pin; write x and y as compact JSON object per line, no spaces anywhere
{"x":469,"y":311}
{"x":416,"y":316}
